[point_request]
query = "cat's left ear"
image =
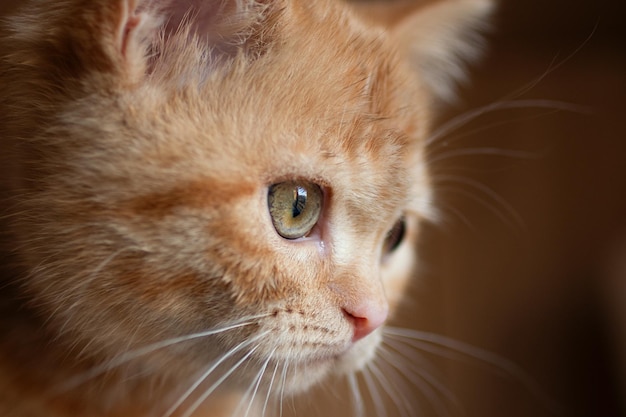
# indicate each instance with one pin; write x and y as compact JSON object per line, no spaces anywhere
{"x":441,"y":38}
{"x":118,"y":36}
{"x":107,"y":37}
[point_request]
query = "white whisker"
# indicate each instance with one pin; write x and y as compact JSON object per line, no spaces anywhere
{"x":486,"y":191}
{"x":456,"y":212}
{"x":483,"y":151}
{"x":419,"y":372}
{"x":457,"y":350}
{"x":282,"y":386}
{"x":420,"y":339}
{"x":400,"y":401}
{"x":127,"y":357}
{"x":467,"y":117}
{"x":269,"y":389}
{"x":433,"y":153}
{"x":502,"y":209}
{"x":422,"y":380}
{"x":357,"y":400}
{"x":554,"y":66}
{"x":210,"y":370}
{"x":416,"y":357}
{"x":217,"y":383}
{"x":495,"y":210}
{"x":259,"y":378}
{"x":379,"y":405}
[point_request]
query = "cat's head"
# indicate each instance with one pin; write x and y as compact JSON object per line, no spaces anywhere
{"x":189,"y":166}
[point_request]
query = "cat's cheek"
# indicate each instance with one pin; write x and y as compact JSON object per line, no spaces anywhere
{"x":396,"y":271}
{"x":397,"y":276}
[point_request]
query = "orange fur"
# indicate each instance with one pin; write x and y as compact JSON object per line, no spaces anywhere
{"x":139,"y":151}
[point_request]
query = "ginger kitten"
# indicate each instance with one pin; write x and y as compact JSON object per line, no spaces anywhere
{"x":208,"y":197}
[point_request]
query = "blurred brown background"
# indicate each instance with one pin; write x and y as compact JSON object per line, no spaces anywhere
{"x":539,"y":293}
{"x":541,"y":290}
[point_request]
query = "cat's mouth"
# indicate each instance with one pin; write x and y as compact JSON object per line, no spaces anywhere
{"x":353,"y":358}
{"x":307,"y":371}
{"x":358,"y":355}
{"x":325,"y":359}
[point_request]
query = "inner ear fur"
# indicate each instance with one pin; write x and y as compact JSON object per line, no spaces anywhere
{"x":74,"y":38}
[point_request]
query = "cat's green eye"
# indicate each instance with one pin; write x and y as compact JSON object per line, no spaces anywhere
{"x":395,"y":236}
{"x":295,"y":207}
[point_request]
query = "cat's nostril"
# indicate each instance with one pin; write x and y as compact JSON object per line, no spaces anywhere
{"x":366,"y":319}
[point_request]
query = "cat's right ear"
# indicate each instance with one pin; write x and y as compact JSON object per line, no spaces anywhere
{"x":438,"y":37}
{"x":441,"y":38}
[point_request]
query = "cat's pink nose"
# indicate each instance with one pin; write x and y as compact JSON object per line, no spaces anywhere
{"x":366,"y":318}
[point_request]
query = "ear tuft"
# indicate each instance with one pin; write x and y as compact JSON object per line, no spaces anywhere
{"x":136,"y":30}
{"x":121,"y":40}
{"x":129,"y":27}
{"x":442,"y":38}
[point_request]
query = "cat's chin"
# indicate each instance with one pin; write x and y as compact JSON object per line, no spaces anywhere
{"x":359,"y":355}
{"x":314,"y":371}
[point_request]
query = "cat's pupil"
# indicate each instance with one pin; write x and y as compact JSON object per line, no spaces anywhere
{"x":395,"y":236}
{"x":299,"y":201}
